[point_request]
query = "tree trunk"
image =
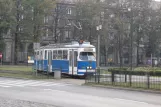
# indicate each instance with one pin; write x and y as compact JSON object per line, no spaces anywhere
{"x":16,"y":49}
{"x":120,"y":50}
{"x":56,"y":25}
{"x":16,"y":33}
{"x":137,"y":54}
{"x":90,"y":31}
{"x":35,"y":34}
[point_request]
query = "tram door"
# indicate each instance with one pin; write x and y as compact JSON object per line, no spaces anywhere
{"x":73,"y":62}
{"x":49,"y":61}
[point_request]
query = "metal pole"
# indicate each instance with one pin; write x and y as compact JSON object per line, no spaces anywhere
{"x":152,"y":60}
{"x":131,"y":46}
{"x":131,"y":53}
{"x":131,"y":36}
{"x":36,"y":68}
{"x":72,"y":62}
{"x":98,"y":52}
{"x":27,"y":57}
{"x":2,"y":60}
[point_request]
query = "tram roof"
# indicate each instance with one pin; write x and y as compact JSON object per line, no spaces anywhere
{"x":68,"y":45}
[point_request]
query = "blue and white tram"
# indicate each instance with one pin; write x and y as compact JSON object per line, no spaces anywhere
{"x":72,"y":58}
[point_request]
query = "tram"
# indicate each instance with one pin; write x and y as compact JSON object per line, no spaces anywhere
{"x":71,"y":58}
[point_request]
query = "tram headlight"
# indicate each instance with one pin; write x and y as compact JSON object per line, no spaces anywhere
{"x":89,"y":67}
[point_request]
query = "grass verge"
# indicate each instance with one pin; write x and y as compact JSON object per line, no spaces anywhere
{"x":24,"y":72}
{"x":25,"y":75}
{"x":16,"y":68}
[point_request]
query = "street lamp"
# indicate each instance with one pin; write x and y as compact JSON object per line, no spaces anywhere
{"x":99,"y":27}
{"x":131,"y":36}
{"x":131,"y":44}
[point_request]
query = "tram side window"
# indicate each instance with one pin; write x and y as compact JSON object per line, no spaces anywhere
{"x":37,"y":54}
{"x":70,"y":58}
{"x":59,"y":54}
{"x":65,"y":54}
{"x":41,"y":55}
{"x":45,"y":54}
{"x":75,"y":58}
{"x":55,"y":54}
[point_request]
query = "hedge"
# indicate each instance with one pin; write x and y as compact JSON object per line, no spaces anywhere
{"x":143,"y":71}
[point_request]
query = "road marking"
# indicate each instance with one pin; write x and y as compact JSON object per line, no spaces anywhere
{"x":17,"y":82}
{"x":4,"y":86}
{"x":10,"y":81}
{"x":41,"y":84}
{"x":32,"y":83}
{"x":48,"y":89}
{"x":22,"y":83}
{"x":55,"y":90}
{"x":10,"y":84}
{"x":58,"y":84}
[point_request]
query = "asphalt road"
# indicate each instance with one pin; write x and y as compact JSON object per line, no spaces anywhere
{"x":32,"y":93}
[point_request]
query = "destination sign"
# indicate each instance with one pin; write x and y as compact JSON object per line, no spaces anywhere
{"x":88,"y":49}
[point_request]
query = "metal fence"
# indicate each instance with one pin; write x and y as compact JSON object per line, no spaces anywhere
{"x":146,"y":80}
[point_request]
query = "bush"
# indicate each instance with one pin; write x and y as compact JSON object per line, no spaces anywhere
{"x":137,"y":71}
{"x":120,"y":69}
{"x":148,"y":69}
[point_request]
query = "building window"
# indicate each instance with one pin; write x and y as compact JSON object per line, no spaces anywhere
{"x":102,"y":0}
{"x":22,"y":8}
{"x":46,"y":19}
{"x":47,"y":32}
{"x":102,"y":14}
{"x":20,"y":29}
{"x":69,"y":11}
{"x":32,"y":9}
{"x":22,"y":17}
{"x":79,"y":12}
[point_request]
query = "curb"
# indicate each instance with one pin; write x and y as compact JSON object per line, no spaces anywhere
{"x":123,"y":88}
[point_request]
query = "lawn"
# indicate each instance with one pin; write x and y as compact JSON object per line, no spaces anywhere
{"x":21,"y":72}
{"x":16,"y":68}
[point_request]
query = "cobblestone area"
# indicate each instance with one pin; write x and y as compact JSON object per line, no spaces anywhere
{"x":5,"y":102}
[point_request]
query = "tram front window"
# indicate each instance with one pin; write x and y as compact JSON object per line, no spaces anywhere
{"x":87,"y":56}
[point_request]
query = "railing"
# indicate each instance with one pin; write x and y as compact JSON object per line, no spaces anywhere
{"x":146,"y":80}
